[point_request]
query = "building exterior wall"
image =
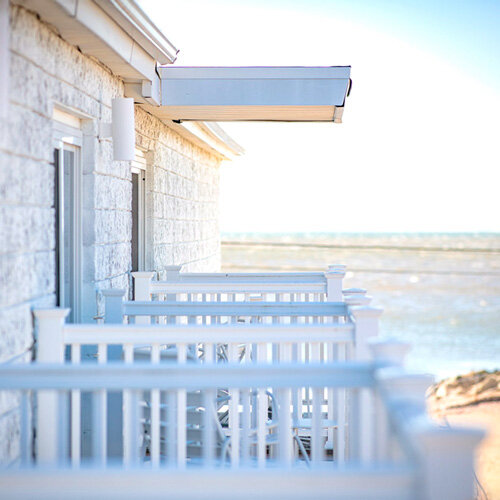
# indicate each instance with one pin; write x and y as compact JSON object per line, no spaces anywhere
{"x":181,"y":193}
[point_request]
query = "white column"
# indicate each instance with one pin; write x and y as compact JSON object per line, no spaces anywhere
{"x":113,"y":313}
{"x":113,"y":305}
{"x":142,"y":285}
{"x":50,"y":349}
{"x":388,"y":351}
{"x":50,"y":335}
{"x":334,"y":277}
{"x":385,"y":353}
{"x":366,"y":327}
{"x":447,"y":462}
{"x":357,"y":299}
{"x":142,"y":292}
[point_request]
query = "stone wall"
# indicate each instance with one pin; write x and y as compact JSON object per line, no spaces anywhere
{"x":182,"y":193}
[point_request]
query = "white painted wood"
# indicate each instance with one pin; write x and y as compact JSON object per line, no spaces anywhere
{"x":50,"y":349}
{"x":155,"y":412}
{"x":366,"y":324}
{"x":142,"y":291}
{"x":228,"y":309}
{"x":253,"y":93}
{"x":389,"y":483}
{"x":181,"y":412}
{"x":447,"y":461}
{"x":113,"y":305}
{"x":334,"y":277}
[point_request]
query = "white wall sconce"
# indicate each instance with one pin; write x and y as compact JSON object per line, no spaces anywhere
{"x":121,"y":129}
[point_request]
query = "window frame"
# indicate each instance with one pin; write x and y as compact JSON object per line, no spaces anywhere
{"x":69,"y":138}
{"x":139,"y":167}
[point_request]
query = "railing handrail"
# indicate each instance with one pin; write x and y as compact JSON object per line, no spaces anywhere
{"x":191,"y":334}
{"x":235,"y":286}
{"x":114,"y":376}
{"x":145,"y":308}
{"x":357,"y":483}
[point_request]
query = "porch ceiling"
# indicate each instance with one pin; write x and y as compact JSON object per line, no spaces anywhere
{"x":254,"y":93}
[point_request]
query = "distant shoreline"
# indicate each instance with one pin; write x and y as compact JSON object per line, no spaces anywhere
{"x":465,"y":390}
{"x":357,"y":247}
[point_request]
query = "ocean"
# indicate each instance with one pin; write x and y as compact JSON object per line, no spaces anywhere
{"x":439,"y":292}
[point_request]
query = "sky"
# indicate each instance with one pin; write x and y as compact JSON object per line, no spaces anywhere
{"x":418,"y":149}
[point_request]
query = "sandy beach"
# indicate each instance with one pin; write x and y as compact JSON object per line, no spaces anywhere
{"x":474,"y":400}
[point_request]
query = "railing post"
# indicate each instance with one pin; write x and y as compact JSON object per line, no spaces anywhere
{"x":113,"y":313}
{"x":113,"y":305}
{"x":142,"y":291}
{"x":142,"y":285}
{"x":446,"y":461}
{"x":356,"y":297}
{"x":50,"y":349}
{"x":388,"y":351}
{"x":404,"y":394}
{"x":366,"y":327}
{"x":173,"y":273}
{"x":361,"y":440}
{"x":334,"y":277}
{"x":50,"y":335}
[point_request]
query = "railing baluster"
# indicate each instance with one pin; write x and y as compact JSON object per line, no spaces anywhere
{"x":181,"y":413}
{"x":245,"y":426}
{"x":317,"y":451}
{"x":284,"y":415}
{"x":155,"y":413}
{"x":25,"y":424}
{"x":102,"y":358}
{"x":340,"y":450}
{"x":262,"y":409}
{"x":172,"y":428}
{"x":128,"y":354}
{"x":210,"y":414}
{"x":366,"y":426}
{"x":99,"y":427}
{"x":76,"y":422}
{"x":234,"y":423}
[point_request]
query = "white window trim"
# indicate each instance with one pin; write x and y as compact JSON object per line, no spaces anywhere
{"x":139,"y":167}
{"x":70,"y":138}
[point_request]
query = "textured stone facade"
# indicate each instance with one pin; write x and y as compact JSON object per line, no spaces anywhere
{"x":182,"y":182}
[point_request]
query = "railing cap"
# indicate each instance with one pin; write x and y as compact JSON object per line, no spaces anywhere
{"x":335,"y":271}
{"x":357,"y":300}
{"x":450,"y":439}
{"x":365,"y":311}
{"x":172,"y":268}
{"x":53,"y":312}
{"x":143,"y":274}
{"x":390,"y":350}
{"x":354,"y":291}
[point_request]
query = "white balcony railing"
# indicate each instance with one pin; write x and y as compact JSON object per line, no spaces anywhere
{"x":231,"y":287}
{"x":394,"y":450}
{"x":210,"y":344}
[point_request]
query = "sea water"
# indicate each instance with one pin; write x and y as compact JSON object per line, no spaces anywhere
{"x":439,"y":292}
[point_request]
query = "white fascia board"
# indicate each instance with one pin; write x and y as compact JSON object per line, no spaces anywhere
{"x":254,"y":93}
{"x":106,"y":34}
{"x":135,"y":22}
